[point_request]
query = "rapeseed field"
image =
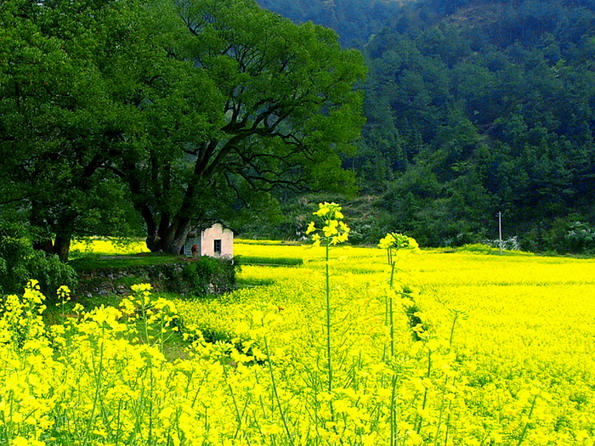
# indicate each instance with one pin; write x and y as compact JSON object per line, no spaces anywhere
{"x":356,"y":346}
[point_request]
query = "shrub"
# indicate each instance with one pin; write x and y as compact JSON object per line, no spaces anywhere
{"x":564,"y":235}
{"x":19,"y":262}
{"x":205,"y":276}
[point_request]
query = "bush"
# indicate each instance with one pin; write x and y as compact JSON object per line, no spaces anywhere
{"x":205,"y":276}
{"x":564,"y":235}
{"x":19,"y":262}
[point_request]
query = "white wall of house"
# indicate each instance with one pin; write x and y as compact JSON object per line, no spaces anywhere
{"x":216,"y":241}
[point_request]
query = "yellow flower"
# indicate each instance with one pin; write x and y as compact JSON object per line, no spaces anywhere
{"x":323,"y":209}
{"x":33,"y":284}
{"x":331,"y":228}
{"x":141,"y":287}
{"x":396,"y":241}
{"x":316,"y":239}
{"x":22,"y":441}
{"x":63,"y":293}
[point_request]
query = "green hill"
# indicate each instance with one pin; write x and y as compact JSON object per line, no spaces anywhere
{"x":476,"y":107}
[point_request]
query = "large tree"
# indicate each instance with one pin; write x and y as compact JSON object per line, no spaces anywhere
{"x":266,"y":103}
{"x":60,"y":118}
{"x":50,"y":106}
{"x":74,"y":76}
{"x":179,"y":108}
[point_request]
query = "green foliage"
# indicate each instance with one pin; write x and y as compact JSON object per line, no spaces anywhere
{"x":96,"y":262}
{"x":60,"y":119}
{"x":206,"y":276}
{"x":173,"y":274}
{"x":478,"y":248}
{"x":19,"y":263}
{"x":564,"y":235}
{"x":269,"y":261}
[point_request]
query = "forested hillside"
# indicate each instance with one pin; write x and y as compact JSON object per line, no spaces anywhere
{"x":476,"y":107}
{"x":118,"y":117}
{"x":354,"y":20}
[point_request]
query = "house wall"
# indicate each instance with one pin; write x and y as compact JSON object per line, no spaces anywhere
{"x":216,"y":232}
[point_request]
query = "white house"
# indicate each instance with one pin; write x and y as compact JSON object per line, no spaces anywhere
{"x":213,"y":241}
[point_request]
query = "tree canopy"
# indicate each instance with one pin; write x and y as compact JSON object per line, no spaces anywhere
{"x":176,"y":108}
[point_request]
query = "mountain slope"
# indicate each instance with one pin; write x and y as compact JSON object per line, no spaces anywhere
{"x":354,"y":20}
{"x":474,"y":107}
{"x":480,"y":108}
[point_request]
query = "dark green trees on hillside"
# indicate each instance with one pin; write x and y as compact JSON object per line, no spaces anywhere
{"x":479,"y":107}
{"x":354,"y":20}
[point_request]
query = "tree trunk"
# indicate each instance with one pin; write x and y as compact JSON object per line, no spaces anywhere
{"x":169,"y":238}
{"x":64,"y":230}
{"x":176,"y":235}
{"x":43,"y":242}
{"x":62,"y":244}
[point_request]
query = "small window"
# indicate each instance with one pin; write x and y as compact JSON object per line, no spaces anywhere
{"x":217,"y":247}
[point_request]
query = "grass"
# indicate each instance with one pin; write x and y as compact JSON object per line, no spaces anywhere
{"x":269,"y":261}
{"x":103,"y":262}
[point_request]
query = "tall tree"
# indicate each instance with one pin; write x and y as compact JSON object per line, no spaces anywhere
{"x":266,"y":104}
{"x":72,"y":83}
{"x":189,"y":106}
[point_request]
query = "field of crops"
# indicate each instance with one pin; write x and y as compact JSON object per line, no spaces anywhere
{"x":465,"y":349}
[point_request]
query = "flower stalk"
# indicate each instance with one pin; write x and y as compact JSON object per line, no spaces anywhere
{"x":328,"y":230}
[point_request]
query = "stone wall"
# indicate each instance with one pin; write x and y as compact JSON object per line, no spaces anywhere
{"x":198,"y":277}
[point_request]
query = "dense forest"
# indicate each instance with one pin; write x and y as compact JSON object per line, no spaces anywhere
{"x":354,"y":20}
{"x":478,"y":107}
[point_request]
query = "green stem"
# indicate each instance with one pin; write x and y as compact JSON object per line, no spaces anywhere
{"x":152,"y":392}
{"x":391,"y":311}
{"x":393,"y":414}
{"x":450,"y":342}
{"x":447,"y":434}
{"x":425,"y":400}
{"x":527,"y":423}
{"x":96,"y":396}
{"x":235,"y":403}
{"x":442,"y":399}
{"x":274,"y":384}
{"x":145,"y":322}
{"x":393,"y":405}
{"x":452,"y":330}
{"x":328,"y":322}
{"x":392,"y":328}
{"x":8,"y":426}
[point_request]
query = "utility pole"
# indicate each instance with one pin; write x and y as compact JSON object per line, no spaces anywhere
{"x":500,"y":230}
